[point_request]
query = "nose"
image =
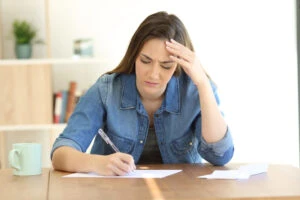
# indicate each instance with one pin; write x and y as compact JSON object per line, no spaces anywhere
{"x":155,"y":71}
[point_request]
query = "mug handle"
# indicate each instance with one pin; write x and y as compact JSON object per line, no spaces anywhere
{"x":14,"y":159}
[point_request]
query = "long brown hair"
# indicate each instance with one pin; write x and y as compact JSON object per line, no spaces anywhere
{"x":160,"y":25}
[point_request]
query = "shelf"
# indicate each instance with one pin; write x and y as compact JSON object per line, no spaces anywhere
{"x":6,"y":62}
{"x":31,"y":127}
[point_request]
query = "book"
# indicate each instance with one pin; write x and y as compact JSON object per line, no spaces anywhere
{"x":64,"y":106}
{"x":57,"y":107}
{"x":71,"y":100}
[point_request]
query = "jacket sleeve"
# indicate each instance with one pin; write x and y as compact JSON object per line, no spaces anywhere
{"x":218,"y":153}
{"x":221,"y":152}
{"x":84,"y":122}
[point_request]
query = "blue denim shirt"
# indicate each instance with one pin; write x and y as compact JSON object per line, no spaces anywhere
{"x":113,"y":104}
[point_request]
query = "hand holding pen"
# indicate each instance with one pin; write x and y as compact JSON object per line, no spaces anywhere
{"x":119,"y":163}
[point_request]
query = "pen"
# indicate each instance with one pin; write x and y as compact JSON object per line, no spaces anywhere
{"x":107,"y":140}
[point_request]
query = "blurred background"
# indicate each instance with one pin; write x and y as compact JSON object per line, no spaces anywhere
{"x":248,"y":47}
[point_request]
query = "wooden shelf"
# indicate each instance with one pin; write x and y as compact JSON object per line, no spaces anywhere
{"x":52,"y":61}
{"x":32,"y":127}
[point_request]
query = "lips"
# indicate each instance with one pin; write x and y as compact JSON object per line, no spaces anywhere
{"x":149,"y":83}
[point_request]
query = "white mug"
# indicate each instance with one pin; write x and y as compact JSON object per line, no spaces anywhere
{"x":26,"y":159}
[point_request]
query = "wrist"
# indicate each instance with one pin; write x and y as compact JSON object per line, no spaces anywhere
{"x":92,"y":163}
{"x":202,"y":82}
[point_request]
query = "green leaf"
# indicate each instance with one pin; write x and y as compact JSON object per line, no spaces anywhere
{"x":23,"y":31}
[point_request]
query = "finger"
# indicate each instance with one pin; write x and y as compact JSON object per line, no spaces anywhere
{"x":119,"y":168}
{"x":179,"y":50}
{"x":175,"y":42}
{"x":116,"y":171}
{"x":173,"y":45}
{"x":127,"y":158}
{"x":125,"y":162}
{"x":125,"y":168}
{"x":180,"y":61}
{"x":177,"y":54}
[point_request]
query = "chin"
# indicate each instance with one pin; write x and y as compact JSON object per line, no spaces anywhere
{"x":153,"y":93}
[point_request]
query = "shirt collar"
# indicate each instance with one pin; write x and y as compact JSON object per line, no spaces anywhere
{"x":129,"y":94}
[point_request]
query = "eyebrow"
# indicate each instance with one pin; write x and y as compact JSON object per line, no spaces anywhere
{"x":164,"y":62}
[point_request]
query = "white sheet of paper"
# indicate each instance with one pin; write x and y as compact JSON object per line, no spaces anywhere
{"x":253,"y":169}
{"x":226,"y":174}
{"x":244,"y":172}
{"x":135,"y":174}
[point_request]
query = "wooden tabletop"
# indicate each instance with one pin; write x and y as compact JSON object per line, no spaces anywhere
{"x":280,"y":182}
{"x":23,"y":187}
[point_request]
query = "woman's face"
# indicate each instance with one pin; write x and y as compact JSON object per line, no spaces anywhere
{"x":153,"y":69}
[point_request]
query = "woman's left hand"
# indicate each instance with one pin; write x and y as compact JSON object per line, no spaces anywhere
{"x":187,"y":59}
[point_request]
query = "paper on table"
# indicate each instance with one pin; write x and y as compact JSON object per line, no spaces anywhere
{"x":253,"y":169}
{"x":135,"y":174}
{"x":244,"y":172}
{"x":226,"y":174}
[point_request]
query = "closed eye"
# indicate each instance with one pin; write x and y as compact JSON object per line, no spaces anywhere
{"x":166,"y":67}
{"x":165,"y":64}
{"x":145,"y":61}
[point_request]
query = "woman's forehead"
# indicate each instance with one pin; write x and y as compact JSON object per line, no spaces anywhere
{"x":155,"y":49}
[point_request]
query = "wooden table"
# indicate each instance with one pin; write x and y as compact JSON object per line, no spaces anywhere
{"x":23,"y":187}
{"x":280,"y":182}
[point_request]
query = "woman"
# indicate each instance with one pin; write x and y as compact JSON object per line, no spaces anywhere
{"x":157,"y":106}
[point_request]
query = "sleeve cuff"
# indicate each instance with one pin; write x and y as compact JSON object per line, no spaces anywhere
{"x":64,"y":142}
{"x":220,"y":147}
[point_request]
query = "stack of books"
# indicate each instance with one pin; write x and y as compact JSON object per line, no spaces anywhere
{"x":65,"y":102}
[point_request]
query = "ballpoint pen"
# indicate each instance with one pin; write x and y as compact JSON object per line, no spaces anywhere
{"x":107,"y":140}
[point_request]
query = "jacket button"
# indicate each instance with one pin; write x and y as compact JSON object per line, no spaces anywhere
{"x":141,"y":141}
{"x":191,"y":144}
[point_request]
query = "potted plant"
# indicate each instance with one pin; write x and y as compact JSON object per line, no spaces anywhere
{"x":24,"y":33}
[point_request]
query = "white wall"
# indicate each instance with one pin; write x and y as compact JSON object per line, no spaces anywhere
{"x":30,"y":10}
{"x":248,"y":47}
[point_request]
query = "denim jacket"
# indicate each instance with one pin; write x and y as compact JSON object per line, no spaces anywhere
{"x":113,"y":104}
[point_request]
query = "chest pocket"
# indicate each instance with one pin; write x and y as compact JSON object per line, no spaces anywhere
{"x":123,"y":144}
{"x":185,"y":148}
